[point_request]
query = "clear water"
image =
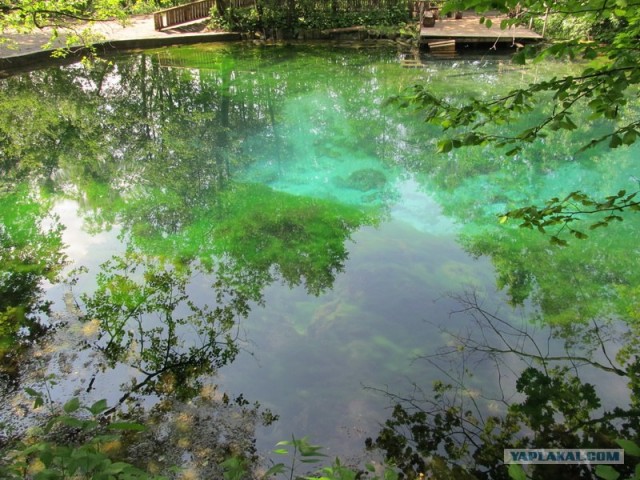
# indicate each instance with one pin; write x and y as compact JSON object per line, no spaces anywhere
{"x":279,"y":174}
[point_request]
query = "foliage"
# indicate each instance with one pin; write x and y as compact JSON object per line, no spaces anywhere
{"x":589,"y":26}
{"x":305,"y":452}
{"x":73,"y":18}
{"x":561,"y":28}
{"x":562,"y":213}
{"x":26,"y":15}
{"x":301,"y":239}
{"x":30,"y":255}
{"x":144,"y":312}
{"x":139,"y":7}
{"x":86,"y":456}
{"x":270,"y":16}
{"x":606,"y":88}
{"x":186,"y":210}
{"x":238,"y":20}
{"x":19,"y":157}
{"x":452,"y":431}
{"x":250,"y":235}
{"x":172,"y":219}
{"x":607,"y":472}
{"x":570,"y":285}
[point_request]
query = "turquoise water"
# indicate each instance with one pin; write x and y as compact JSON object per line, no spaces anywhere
{"x":277,"y":182}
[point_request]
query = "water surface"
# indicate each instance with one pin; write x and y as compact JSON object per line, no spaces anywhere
{"x":278,"y":187}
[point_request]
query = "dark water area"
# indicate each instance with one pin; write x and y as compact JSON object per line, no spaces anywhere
{"x":258,"y":219}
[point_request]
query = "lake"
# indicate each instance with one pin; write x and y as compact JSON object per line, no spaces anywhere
{"x":261,"y":220}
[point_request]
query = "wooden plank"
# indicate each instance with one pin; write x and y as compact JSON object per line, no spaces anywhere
{"x":442,"y":45}
{"x":182,"y":14}
{"x":469,"y":29}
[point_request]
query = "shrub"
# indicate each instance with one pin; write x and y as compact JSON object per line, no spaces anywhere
{"x":85,"y":457}
{"x":305,"y":17}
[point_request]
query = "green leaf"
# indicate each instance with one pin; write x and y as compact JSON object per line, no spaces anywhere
{"x":72,"y":405}
{"x":46,"y":457}
{"x":390,"y":474}
{"x":629,"y":137}
{"x":488,"y":23}
{"x":277,"y":469}
{"x":558,"y":241}
{"x":630,"y":448}
{"x":445,"y":146}
{"x":127,"y":426}
{"x":606,"y":472}
{"x":615,"y":141}
{"x":598,"y":225}
{"x":98,"y":407}
{"x":519,"y":58}
{"x":568,"y":124}
{"x":516,"y":472}
{"x":32,"y":393}
{"x":472,"y":139}
{"x":73,"y":422}
{"x":106,"y":438}
{"x":513,"y":151}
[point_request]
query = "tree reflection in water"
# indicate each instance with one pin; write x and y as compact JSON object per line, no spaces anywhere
{"x":541,"y":398}
{"x":189,"y":155}
{"x":31,"y":255}
{"x":146,"y":320}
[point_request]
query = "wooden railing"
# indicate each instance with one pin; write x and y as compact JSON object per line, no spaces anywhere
{"x":182,"y":14}
{"x":241,"y":3}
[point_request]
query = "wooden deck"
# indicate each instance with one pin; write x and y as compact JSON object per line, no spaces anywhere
{"x":469,"y":30}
